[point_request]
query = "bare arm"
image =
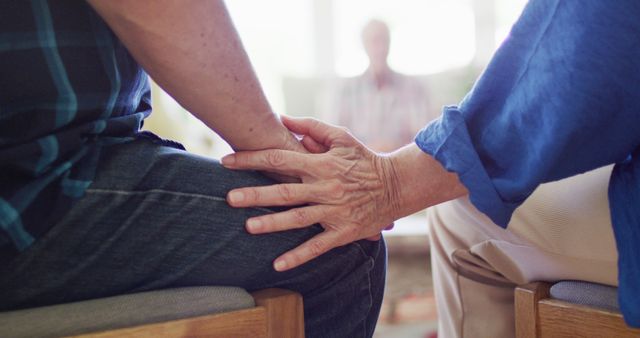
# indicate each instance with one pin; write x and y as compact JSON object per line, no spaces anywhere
{"x":354,"y":192}
{"x":191,"y":49}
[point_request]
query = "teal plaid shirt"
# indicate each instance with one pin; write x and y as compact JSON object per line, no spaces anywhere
{"x":68,"y":87}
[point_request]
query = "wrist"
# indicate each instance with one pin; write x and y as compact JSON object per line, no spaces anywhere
{"x":279,"y":136}
{"x":390,"y":203}
{"x":422,"y":181}
{"x":269,"y":133}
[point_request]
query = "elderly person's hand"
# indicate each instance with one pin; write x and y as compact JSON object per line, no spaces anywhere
{"x":351,"y":191}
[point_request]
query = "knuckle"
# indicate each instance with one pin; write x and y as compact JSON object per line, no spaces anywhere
{"x":317,"y":247}
{"x":299,"y":216}
{"x":240,"y":159}
{"x":285,"y":192}
{"x":274,"y":159}
{"x":252,"y":195}
{"x":337,"y":191}
{"x":328,"y":165}
{"x":348,"y":213}
{"x":268,"y":222}
{"x":343,"y":131}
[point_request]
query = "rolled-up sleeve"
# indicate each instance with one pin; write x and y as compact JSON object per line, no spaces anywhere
{"x":561,"y":96}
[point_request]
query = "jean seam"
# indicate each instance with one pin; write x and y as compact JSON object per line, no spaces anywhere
{"x":167,"y":192}
{"x":371,"y":261}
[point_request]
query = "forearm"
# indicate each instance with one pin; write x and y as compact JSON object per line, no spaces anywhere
{"x":191,"y":49}
{"x":417,"y":181}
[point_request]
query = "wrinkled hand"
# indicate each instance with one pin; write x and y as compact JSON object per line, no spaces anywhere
{"x":348,"y":188}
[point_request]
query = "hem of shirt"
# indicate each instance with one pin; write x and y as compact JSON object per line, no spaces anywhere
{"x":447,"y":140}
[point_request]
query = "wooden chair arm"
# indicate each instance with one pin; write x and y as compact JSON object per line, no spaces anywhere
{"x":278,"y":314}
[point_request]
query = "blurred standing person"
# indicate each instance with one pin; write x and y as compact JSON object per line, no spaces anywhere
{"x":382,"y":107}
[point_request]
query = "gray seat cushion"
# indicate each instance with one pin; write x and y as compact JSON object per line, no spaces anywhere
{"x":584,"y":293}
{"x":122,"y":311}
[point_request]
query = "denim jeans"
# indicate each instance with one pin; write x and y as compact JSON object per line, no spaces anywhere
{"x":156,"y":217}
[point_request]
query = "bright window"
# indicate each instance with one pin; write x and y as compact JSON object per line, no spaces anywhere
{"x":278,"y":36}
{"x":426,"y":36}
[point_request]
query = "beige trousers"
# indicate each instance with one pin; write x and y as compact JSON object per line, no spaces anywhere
{"x":563,"y":231}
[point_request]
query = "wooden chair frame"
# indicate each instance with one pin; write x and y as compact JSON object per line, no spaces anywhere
{"x":278,"y":314}
{"x":538,"y":316}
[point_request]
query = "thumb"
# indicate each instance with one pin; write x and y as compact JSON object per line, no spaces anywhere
{"x":313,"y":146}
{"x":322,"y":133}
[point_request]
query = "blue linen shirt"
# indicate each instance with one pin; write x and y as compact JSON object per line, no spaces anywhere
{"x":68,"y":87}
{"x":560,"y":97}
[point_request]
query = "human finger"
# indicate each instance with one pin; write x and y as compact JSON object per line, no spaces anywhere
{"x":321,"y":132}
{"x":278,"y":195}
{"x":313,"y":146}
{"x":314,"y":247}
{"x":291,"y":219}
{"x":275,"y":160}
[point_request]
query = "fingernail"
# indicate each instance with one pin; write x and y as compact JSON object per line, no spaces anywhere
{"x":280,"y":265}
{"x":228,"y":160}
{"x":236,"y":197}
{"x":253,"y":225}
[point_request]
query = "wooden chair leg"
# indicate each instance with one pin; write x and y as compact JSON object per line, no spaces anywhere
{"x":526,"y":308}
{"x":285,"y":314}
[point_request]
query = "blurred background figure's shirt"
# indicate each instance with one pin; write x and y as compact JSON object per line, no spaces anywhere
{"x":386,"y":116}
